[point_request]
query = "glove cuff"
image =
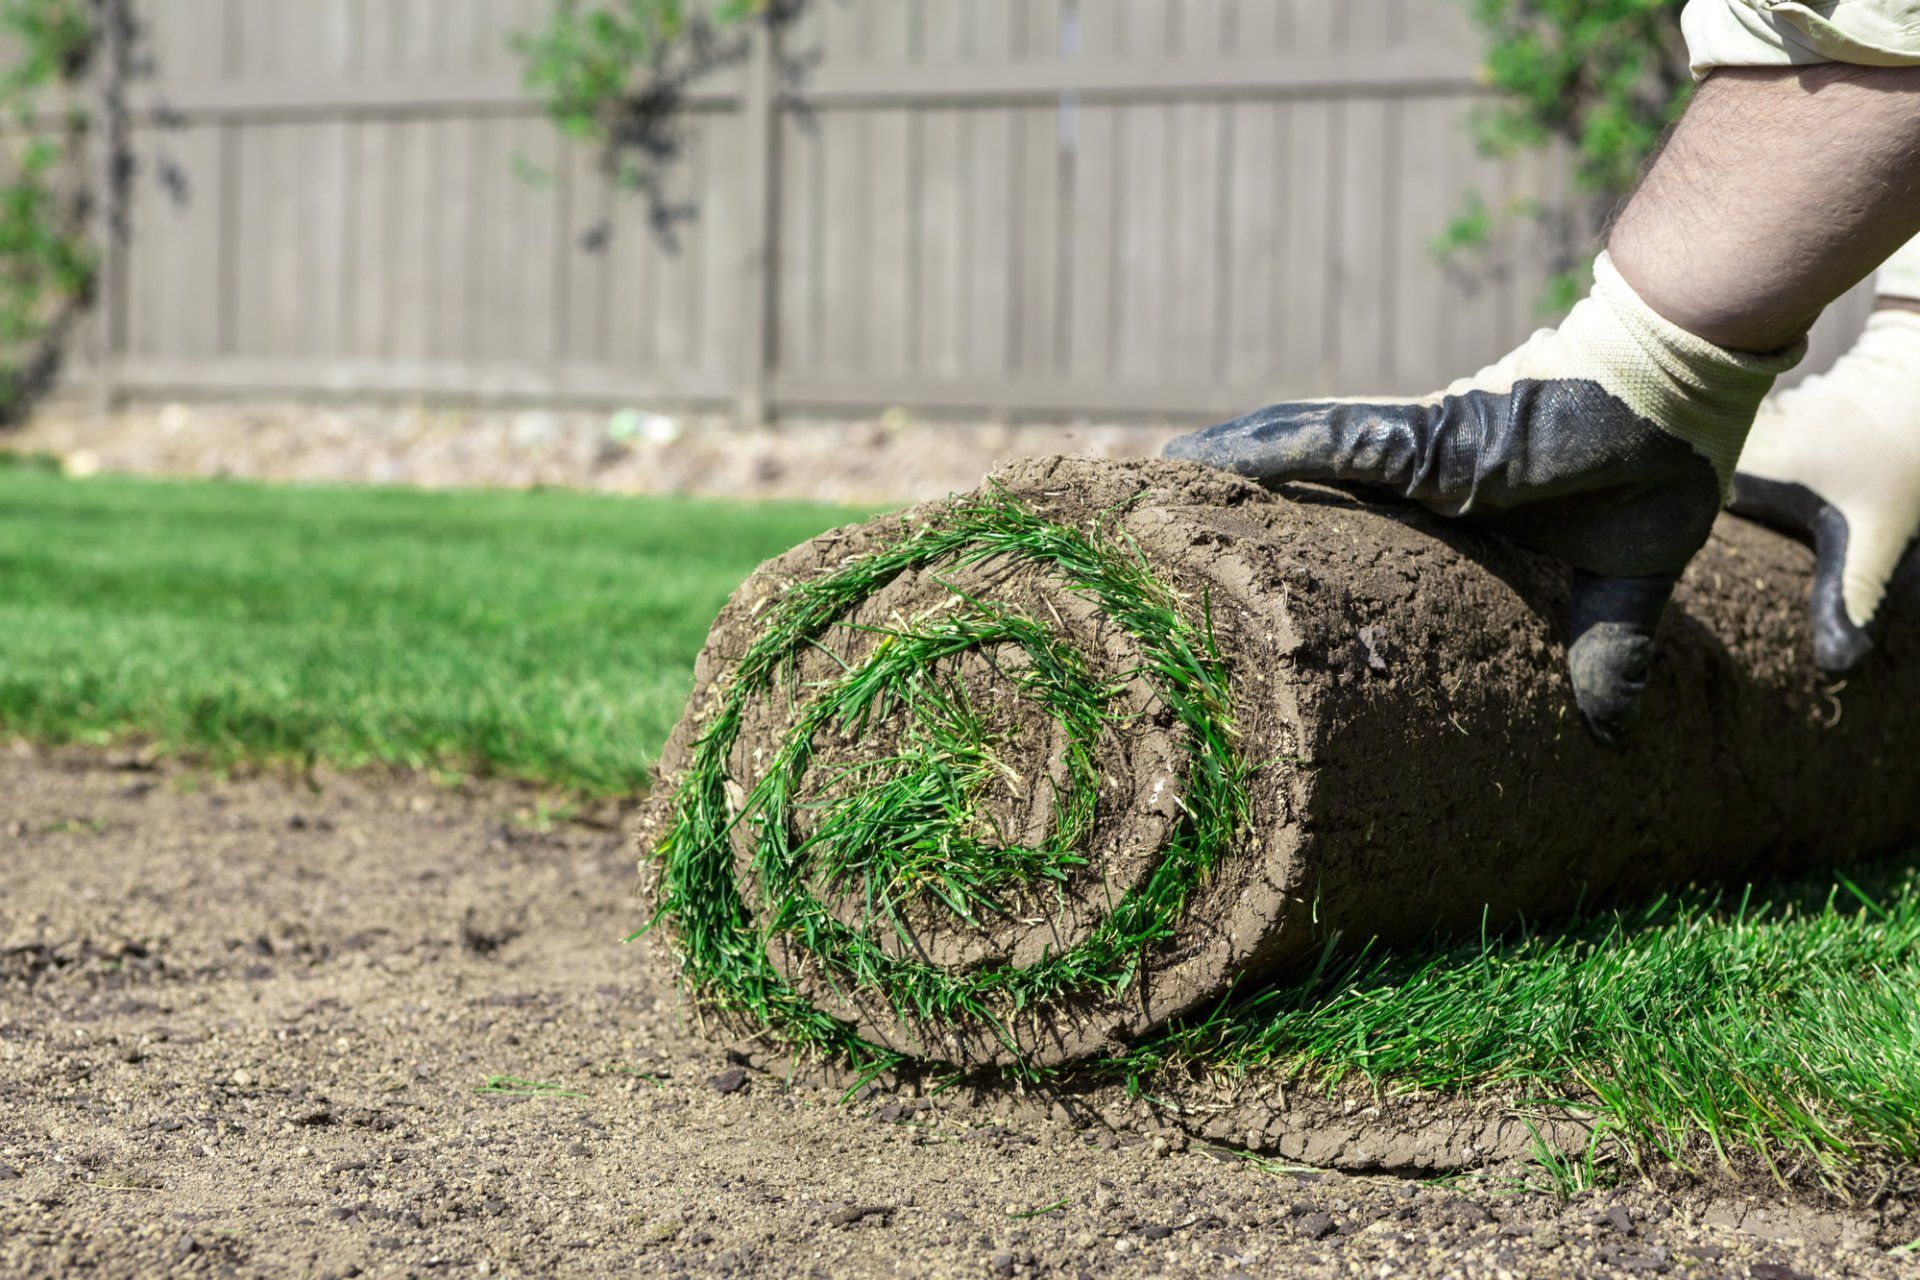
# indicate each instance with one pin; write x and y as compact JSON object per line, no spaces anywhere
{"x":1703,"y":393}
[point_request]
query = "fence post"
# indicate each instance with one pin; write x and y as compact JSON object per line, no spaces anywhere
{"x":762,"y":105}
{"x":109,"y":138}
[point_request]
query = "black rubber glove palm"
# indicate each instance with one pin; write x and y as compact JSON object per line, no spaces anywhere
{"x":1606,"y":443}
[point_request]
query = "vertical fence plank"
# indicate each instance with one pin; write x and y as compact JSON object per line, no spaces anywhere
{"x":1311,"y":25}
{"x":1033,"y":332}
{"x":844,"y":140}
{"x":190,"y":253}
{"x":1203,"y":134}
{"x":584,"y":252}
{"x":1257,"y":26}
{"x":490,"y":293}
{"x":1094,"y":245}
{"x":368,"y":316}
{"x":1362,"y":285}
{"x":1143,"y":287}
{"x":329,"y":29}
{"x":991,"y":230}
{"x":680,"y":304}
{"x":535,"y":219}
{"x":1200,"y":28}
{"x":1309,"y":199}
{"x":1256,"y":243}
{"x":893,"y":213}
{"x":940,"y":267}
{"x":1037,"y":29}
{"x":1477,"y":281}
{"x":1193,"y":229}
{"x":752,"y":224}
{"x":1418,"y":317}
{"x":797,"y":264}
{"x":632,"y":282}
{"x":245,"y":251}
{"x":943,"y":158}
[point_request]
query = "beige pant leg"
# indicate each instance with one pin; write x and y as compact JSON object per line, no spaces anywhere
{"x":1781,"y":33}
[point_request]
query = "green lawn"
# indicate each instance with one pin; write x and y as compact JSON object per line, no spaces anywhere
{"x":545,"y":635}
{"x":1775,"y":1028}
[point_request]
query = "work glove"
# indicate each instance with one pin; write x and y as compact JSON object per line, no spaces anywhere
{"x":1608,"y":443}
{"x":1836,"y":460}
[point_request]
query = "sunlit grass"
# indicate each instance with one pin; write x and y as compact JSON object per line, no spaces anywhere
{"x":546,"y":635}
{"x":1777,"y":1025}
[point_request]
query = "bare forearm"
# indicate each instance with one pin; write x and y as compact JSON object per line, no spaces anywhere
{"x":1779,"y":191}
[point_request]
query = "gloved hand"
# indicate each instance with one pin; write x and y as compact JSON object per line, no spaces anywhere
{"x":1837,"y":461}
{"x":1607,"y":443}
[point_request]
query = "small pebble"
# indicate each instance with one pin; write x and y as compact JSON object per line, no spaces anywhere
{"x":1315,"y":1226}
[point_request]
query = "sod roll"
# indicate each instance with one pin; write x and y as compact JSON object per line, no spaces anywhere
{"x":1020,"y":776}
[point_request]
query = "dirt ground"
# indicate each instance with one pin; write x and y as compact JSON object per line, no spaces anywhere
{"x":880,"y":460}
{"x":274,"y":1027}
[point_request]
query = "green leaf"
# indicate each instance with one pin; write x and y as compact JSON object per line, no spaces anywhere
{"x":1601,"y":78}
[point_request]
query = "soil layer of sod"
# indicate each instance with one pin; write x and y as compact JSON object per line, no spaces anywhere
{"x":1043,"y":773}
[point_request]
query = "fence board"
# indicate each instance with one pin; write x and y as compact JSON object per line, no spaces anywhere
{"x":1093,"y":217}
{"x":632,"y":289}
{"x":415,"y":166}
{"x":991,"y":232}
{"x":1362,"y":285}
{"x":891,"y":243}
{"x":1193,"y":343}
{"x":677,"y":309}
{"x":1476,"y":283}
{"x":368,"y":318}
{"x":1305,"y":364}
{"x":583,"y":257}
{"x":1417,"y":311}
{"x":1254,"y":240}
{"x":142,"y":317}
{"x":1256,"y":26}
{"x":1036,"y":336}
{"x":846,"y":215}
{"x":797,"y":248}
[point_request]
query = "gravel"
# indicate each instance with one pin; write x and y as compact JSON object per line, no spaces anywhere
{"x":885,"y":460}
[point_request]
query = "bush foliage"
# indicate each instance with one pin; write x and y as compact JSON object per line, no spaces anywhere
{"x":1602,"y":77}
{"x":594,"y":56}
{"x":612,"y":73}
{"x":46,"y":263}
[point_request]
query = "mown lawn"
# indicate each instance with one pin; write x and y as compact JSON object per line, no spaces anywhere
{"x":548,"y":636}
{"x":1774,"y":1028}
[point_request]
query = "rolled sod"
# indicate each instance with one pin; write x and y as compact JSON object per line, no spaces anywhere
{"x":1020,"y":776}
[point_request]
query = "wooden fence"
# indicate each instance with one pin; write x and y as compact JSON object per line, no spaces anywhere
{"x":1022,"y":207}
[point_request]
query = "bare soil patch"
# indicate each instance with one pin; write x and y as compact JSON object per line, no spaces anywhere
{"x":888,"y":458}
{"x":358,"y":1025}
